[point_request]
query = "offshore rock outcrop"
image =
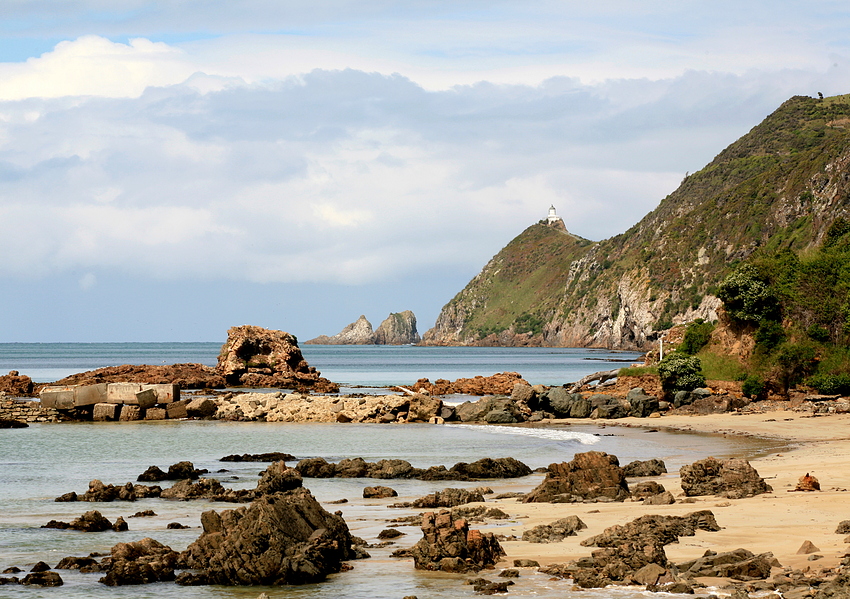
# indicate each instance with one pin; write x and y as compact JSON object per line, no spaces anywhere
{"x":257,"y":357}
{"x":449,"y":545}
{"x":399,"y":328}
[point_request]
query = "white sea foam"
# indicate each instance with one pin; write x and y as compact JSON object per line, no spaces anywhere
{"x":540,"y":433}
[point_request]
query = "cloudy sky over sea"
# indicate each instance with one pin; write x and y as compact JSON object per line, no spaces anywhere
{"x":172,"y":168}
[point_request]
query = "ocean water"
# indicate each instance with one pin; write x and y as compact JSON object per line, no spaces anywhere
{"x":43,"y":461}
{"x":349,"y":365}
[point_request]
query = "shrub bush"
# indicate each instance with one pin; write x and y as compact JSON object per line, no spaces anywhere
{"x":697,"y":336}
{"x":830,"y":384}
{"x":753,"y":387}
{"x":747,"y":297}
{"x":679,"y":372}
{"x":795,"y":361}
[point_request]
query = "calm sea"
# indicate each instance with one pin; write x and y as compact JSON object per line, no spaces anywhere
{"x":43,"y":461}
{"x":344,"y":364}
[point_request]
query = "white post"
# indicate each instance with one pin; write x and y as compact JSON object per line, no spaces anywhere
{"x":660,"y":349}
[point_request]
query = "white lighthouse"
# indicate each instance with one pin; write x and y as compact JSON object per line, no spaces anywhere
{"x":553,"y":218}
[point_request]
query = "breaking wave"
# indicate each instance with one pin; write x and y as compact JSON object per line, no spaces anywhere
{"x":540,"y":433}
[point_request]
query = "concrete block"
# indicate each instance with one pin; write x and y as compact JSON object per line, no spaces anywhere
{"x":201,"y":407}
{"x":90,"y":395}
{"x":177,"y":410}
{"x":164,"y":393}
{"x":105,"y":412}
{"x":122,"y":392}
{"x":155,"y":414}
{"x":145,"y":399}
{"x":59,"y":398}
{"x":131,"y":413}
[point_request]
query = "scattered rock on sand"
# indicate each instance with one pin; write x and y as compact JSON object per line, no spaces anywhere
{"x":379,"y":492}
{"x":843,"y":527}
{"x":740,"y":564}
{"x":653,"y":467}
{"x":590,"y":475}
{"x":807,"y":482}
{"x":806,"y":548}
{"x":732,"y":478}
{"x":554,"y":532}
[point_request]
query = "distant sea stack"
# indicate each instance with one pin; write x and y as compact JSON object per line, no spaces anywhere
{"x":399,"y":328}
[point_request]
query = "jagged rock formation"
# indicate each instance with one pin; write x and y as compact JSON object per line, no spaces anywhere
{"x":257,"y":357}
{"x":780,"y":185}
{"x":358,"y":332}
{"x":449,"y":545}
{"x":399,"y":328}
{"x":589,"y":476}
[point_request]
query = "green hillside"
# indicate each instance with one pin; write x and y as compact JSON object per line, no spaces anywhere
{"x":780,"y":186}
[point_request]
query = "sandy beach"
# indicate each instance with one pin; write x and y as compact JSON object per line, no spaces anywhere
{"x":779,"y":522}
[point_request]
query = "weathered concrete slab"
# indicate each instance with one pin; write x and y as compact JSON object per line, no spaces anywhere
{"x":122,"y":392}
{"x":165,"y":393}
{"x":155,"y":414}
{"x":131,"y":413}
{"x":145,"y":399}
{"x":177,"y":410}
{"x":60,"y":398}
{"x":89,"y":395}
{"x":105,"y":412}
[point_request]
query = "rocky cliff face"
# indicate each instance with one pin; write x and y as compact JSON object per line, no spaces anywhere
{"x":780,"y":186}
{"x":398,"y":329}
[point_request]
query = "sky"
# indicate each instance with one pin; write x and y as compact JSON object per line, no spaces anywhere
{"x":171,"y":169}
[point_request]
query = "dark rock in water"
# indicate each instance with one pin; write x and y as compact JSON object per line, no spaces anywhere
{"x":184,"y":470}
{"x":487,"y":468}
{"x":274,"y":456}
{"x":100,"y":492}
{"x":589,"y":475}
{"x":6,"y":423}
{"x":390,"y":533}
{"x":739,"y":564}
{"x":92,"y":521}
{"x":75,"y":563}
{"x":451,"y":546}
{"x":43,"y":579}
{"x":40,"y":567}
{"x":140,"y":562}
{"x":732,"y":478}
{"x":192,"y":579}
{"x":446,"y":498}
{"x":152,"y":474}
{"x":204,"y":488}
{"x":58,"y":524}
{"x":281,"y":538}
{"x":175,"y":526}
{"x":12,"y":570}
{"x":653,"y":467}
{"x":554,"y":532}
{"x":379,"y":492}
{"x":526,"y":563}
{"x":143,"y":514}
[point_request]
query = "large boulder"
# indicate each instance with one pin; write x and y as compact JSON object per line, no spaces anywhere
{"x":653,"y":467}
{"x":487,"y":468}
{"x":449,"y":545}
{"x":257,"y":357}
{"x":448,"y":498}
{"x":16,"y":384}
{"x":280,"y":538}
{"x":732,"y":478}
{"x":642,"y":405}
{"x":739,"y":564}
{"x":588,"y":476}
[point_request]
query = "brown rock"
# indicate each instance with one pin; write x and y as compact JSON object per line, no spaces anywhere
{"x":257,"y":357}
{"x":731,"y":478}
{"x":379,"y":492}
{"x":807,"y":483}
{"x":501,"y":383}
{"x":554,"y":532}
{"x":16,"y":385}
{"x":140,"y":562}
{"x":806,"y":548}
{"x":186,"y":376}
{"x":452,"y":547}
{"x":665,"y":498}
{"x":281,"y":538}
{"x":588,"y":476}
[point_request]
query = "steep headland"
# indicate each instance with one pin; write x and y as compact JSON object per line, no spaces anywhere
{"x":780,"y":186}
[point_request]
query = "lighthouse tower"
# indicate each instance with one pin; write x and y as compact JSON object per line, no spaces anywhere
{"x":553,"y":218}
